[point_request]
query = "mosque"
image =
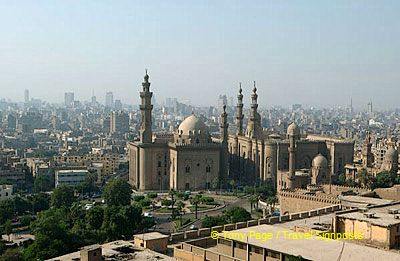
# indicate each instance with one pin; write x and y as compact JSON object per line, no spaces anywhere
{"x":190,"y":159}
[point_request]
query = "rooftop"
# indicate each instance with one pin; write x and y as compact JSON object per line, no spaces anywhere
{"x":151,"y":236}
{"x":120,"y":250}
{"x":381,"y":216}
{"x":326,"y":249}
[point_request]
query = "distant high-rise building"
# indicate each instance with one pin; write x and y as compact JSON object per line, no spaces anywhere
{"x":109,"y":100}
{"x":11,"y":122}
{"x":171,"y":102}
{"x":119,"y":122}
{"x":118,"y":105}
{"x":26,"y":96}
{"x":69,"y":99}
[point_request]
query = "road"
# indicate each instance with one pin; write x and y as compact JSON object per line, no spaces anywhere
{"x":165,"y":226}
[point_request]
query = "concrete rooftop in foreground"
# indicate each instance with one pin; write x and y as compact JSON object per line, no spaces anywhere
{"x":314,"y":248}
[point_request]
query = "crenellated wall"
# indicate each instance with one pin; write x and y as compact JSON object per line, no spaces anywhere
{"x":292,"y":202}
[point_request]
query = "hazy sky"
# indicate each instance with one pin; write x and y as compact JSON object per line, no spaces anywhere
{"x":312,"y":52}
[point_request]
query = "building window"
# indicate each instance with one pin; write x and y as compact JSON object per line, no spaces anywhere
{"x":208,"y":168}
{"x":224,"y":242}
{"x":159,"y":164}
{"x":187,"y":169}
{"x":187,"y":186}
{"x":257,"y":250}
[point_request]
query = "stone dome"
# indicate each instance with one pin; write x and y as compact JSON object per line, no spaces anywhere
{"x":293,"y":130}
{"x":192,"y":125}
{"x":391,"y":154}
{"x":320,"y":161}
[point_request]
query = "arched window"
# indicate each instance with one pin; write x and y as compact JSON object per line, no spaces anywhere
{"x":187,"y":169}
{"x":197,"y":141}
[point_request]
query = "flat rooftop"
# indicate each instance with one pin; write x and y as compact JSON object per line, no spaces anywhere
{"x":120,"y":250}
{"x":364,"y":200}
{"x":313,"y":248}
{"x":381,"y":217}
{"x":151,"y":236}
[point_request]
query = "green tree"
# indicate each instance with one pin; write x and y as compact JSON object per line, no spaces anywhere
{"x":121,"y":222}
{"x":22,"y":205}
{"x":364,"y":178}
{"x":42,"y":184}
{"x":63,"y":196}
{"x":11,"y":254}
{"x":384,"y":179}
{"x":237,"y":214}
{"x":210,"y":221}
{"x":195,"y":201}
{"x":252,"y":200}
{"x":94,"y":217}
{"x":6,"y":210}
{"x":52,"y":236}
{"x":40,"y":202}
{"x":117,"y":193}
{"x":215,"y":184}
{"x":7,"y":229}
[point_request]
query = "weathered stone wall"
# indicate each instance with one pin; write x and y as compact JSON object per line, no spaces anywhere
{"x":292,"y":202}
{"x":392,"y":193}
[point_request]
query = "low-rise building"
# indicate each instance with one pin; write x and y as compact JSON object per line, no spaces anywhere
{"x":154,"y":241}
{"x":70,"y":177}
{"x":379,"y":225}
{"x":6,"y":192}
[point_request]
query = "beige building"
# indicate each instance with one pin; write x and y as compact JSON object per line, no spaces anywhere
{"x":257,"y":156}
{"x":154,"y":241}
{"x":187,"y":159}
{"x":380,"y":226}
{"x":109,"y":162}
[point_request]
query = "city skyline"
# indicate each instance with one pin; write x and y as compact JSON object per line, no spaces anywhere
{"x":308,"y":52}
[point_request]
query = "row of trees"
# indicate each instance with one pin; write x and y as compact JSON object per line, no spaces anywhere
{"x":66,"y":225}
{"x":383,"y":179}
{"x":231,"y":215}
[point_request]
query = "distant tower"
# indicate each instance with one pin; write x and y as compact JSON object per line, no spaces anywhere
{"x":366,"y":152}
{"x":109,"y":99}
{"x":239,"y":112}
{"x":145,"y":109}
{"x":351,"y":106}
{"x":26,"y":96}
{"x":370,"y":107}
{"x":224,"y":141}
{"x":293,"y":134}
{"x":254,"y":129}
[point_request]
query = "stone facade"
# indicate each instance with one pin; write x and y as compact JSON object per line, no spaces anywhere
{"x":187,"y":159}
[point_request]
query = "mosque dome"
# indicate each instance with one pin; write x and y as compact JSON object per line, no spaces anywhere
{"x":320,"y":161}
{"x":293,"y":130}
{"x":192,"y":125}
{"x":391,"y":154}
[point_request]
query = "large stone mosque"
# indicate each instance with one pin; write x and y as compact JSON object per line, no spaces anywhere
{"x":190,"y":159}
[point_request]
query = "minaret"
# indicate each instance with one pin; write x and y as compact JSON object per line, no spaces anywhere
{"x":254,"y":104}
{"x":224,"y":150}
{"x":239,"y":112}
{"x":293,"y":135}
{"x":366,"y":152}
{"x":254,"y":129}
{"x":146,"y":107}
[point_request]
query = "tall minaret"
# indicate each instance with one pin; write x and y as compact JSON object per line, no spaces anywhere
{"x":254,"y":129}
{"x":293,"y":135}
{"x":224,"y":150}
{"x":239,"y":112}
{"x":146,"y":107}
